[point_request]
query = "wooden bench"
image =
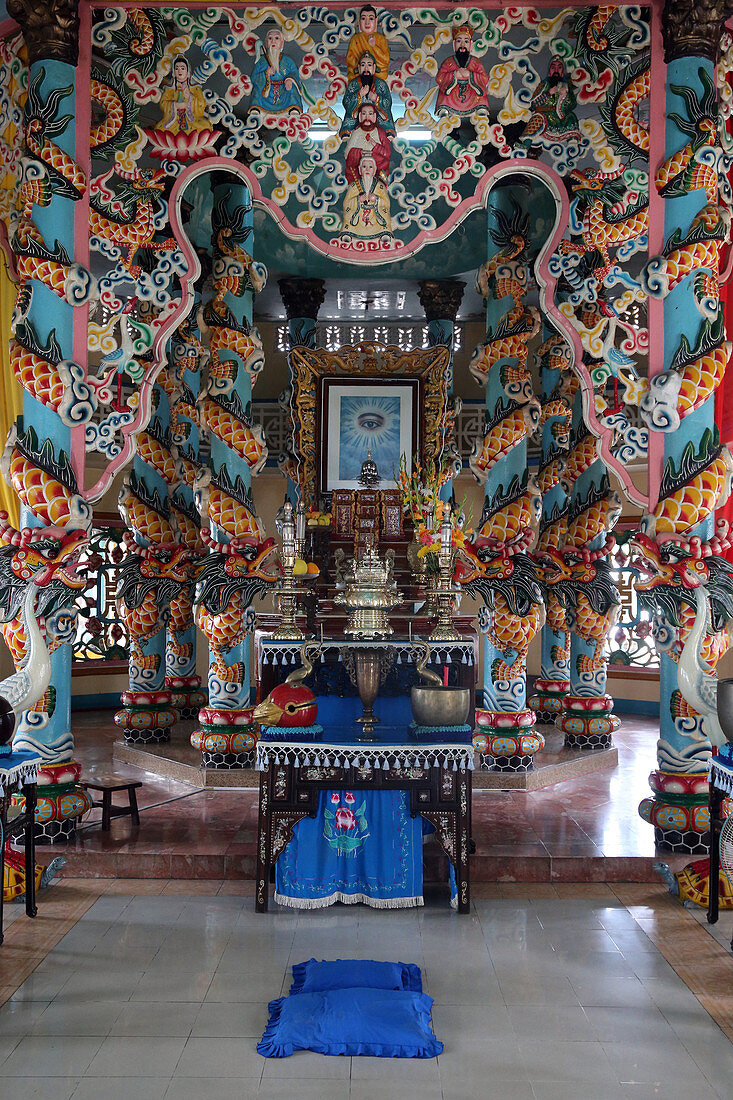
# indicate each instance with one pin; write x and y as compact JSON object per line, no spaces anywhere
{"x":108,"y":784}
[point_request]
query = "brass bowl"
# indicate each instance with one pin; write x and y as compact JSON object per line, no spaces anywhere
{"x":440,"y":706}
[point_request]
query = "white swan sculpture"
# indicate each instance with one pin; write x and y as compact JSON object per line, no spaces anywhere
{"x":698,"y":684}
{"x":27,"y":684}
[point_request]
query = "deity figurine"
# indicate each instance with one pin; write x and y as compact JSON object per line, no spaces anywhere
{"x":463,"y":86}
{"x":366,"y":202}
{"x":275,"y":78}
{"x":553,"y":109}
{"x":367,"y":87}
{"x":182,"y":102}
{"x":367,"y":40}
{"x":367,"y":136}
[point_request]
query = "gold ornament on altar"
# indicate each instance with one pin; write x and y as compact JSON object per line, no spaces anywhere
{"x":370,"y":594}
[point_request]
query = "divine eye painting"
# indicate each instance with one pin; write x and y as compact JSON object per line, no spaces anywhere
{"x":361,"y":420}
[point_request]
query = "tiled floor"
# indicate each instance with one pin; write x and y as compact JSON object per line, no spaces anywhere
{"x":584,"y":830}
{"x":162,"y":992}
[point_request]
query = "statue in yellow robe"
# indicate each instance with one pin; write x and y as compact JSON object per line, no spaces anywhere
{"x":366,"y":203}
{"x":183,"y":104}
{"x":367,"y":40}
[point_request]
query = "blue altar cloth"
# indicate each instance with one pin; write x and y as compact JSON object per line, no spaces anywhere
{"x":17,"y":766}
{"x":362,"y":846}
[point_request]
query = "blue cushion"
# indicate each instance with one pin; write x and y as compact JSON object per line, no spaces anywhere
{"x":317,"y":977}
{"x":383,"y":1023}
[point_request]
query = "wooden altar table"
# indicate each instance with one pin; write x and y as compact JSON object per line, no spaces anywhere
{"x":293,"y":774}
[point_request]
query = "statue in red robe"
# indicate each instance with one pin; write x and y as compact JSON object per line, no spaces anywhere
{"x":367,"y":137}
{"x":463,"y":86}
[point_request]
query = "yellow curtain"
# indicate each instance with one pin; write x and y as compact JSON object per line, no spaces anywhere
{"x":11,"y":392}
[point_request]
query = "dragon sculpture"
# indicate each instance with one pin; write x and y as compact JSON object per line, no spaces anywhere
{"x":38,"y":577}
{"x":505,"y":579}
{"x":225,"y":592}
{"x":686,"y":586}
{"x":581,"y":581}
{"x":123,"y":213}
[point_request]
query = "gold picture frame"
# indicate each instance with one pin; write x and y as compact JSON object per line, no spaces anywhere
{"x":310,"y":366}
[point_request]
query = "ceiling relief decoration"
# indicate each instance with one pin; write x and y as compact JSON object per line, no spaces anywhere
{"x":368,"y":135}
{"x":368,"y":131}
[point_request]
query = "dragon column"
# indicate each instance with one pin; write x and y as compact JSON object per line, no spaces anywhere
{"x":558,"y":385}
{"x":153,"y":576}
{"x":503,"y":573}
{"x":682,"y":580}
{"x":44,"y":455}
{"x":239,"y":564}
{"x":183,"y":382}
{"x":579,"y":576}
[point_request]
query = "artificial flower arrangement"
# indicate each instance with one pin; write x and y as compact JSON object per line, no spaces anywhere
{"x":420,"y":489}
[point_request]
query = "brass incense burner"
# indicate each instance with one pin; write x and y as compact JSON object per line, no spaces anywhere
{"x":370,"y":594}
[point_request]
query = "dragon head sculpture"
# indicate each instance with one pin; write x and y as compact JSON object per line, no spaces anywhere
{"x":488,"y":568}
{"x":46,"y":557}
{"x":669,"y":573}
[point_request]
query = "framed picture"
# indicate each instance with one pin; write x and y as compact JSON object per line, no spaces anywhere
{"x":379,"y":415}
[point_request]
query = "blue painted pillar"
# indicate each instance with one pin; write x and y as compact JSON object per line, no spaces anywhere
{"x":506,"y":739}
{"x":551,"y":686}
{"x":184,"y":376}
{"x":680,"y":818}
{"x":592,"y":604}
{"x":45,"y":437}
{"x":223,"y":495}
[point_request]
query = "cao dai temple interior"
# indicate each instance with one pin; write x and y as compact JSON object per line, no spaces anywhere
{"x":366,"y":559}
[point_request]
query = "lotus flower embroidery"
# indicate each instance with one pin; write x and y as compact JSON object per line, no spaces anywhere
{"x":345,"y":828}
{"x":345,"y":818}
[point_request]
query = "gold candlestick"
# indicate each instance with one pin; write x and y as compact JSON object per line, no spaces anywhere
{"x":444,"y":630}
{"x":288,"y":630}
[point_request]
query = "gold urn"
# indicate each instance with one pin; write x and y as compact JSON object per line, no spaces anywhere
{"x":370,"y":593}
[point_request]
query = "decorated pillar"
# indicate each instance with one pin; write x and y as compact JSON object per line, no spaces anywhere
{"x":44,"y":455}
{"x":558,"y":386}
{"x":579,"y":575}
{"x":239,"y":565}
{"x":441,"y":300}
{"x":685,"y":583}
{"x":302,"y":299}
{"x":152,"y":576}
{"x":505,"y":575}
{"x":183,"y":382}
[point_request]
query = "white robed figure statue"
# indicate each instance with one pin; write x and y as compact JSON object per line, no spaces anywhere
{"x":366,"y":202}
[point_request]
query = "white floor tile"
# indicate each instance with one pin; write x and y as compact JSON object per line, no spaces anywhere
{"x":51,"y":1056}
{"x":47,"y":1088}
{"x":122,"y":1088}
{"x":220,"y":1058}
{"x":148,"y":1018}
{"x":156,"y":1056}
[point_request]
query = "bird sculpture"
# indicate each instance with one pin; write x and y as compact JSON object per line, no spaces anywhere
{"x":291,"y":703}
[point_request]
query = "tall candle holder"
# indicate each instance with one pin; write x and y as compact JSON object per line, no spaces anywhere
{"x":287,"y":597}
{"x":444,"y":630}
{"x":300,"y":528}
